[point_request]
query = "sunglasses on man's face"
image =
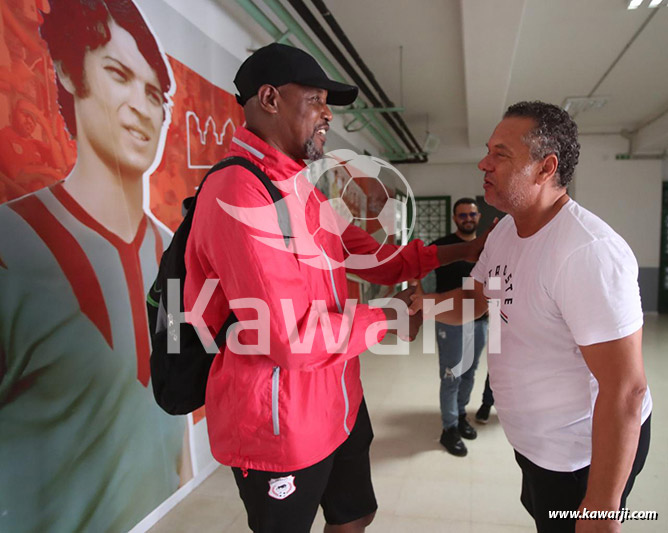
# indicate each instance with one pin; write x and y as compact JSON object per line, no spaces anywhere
{"x":464,"y":216}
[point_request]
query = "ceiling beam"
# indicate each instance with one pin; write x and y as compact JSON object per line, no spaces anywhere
{"x":490,"y":32}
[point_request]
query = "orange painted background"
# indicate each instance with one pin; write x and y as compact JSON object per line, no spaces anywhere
{"x":204,"y":118}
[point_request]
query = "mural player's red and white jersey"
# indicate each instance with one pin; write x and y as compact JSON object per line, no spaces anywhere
{"x":75,"y":397}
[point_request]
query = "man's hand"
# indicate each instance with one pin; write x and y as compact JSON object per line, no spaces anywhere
{"x":417,"y":302}
{"x":416,"y":297}
{"x":414,"y":321}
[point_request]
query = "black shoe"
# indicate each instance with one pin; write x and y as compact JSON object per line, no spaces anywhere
{"x":466,"y":430}
{"x":482,"y":416}
{"x":451,"y":441}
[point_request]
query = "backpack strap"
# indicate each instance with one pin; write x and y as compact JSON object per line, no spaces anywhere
{"x":276,"y":196}
{"x":281,"y":211}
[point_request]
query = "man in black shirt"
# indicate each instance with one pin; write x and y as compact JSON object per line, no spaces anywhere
{"x":459,"y":346}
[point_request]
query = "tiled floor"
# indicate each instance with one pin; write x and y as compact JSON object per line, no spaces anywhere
{"x":420,"y":487}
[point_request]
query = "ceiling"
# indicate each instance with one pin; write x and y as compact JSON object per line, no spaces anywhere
{"x":464,"y":61}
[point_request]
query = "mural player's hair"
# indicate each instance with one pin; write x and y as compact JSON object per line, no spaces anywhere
{"x":74,"y":27}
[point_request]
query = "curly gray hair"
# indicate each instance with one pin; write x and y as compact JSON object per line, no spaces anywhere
{"x":555,"y":133}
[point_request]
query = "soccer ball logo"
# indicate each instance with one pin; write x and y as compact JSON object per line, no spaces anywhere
{"x":357,"y":190}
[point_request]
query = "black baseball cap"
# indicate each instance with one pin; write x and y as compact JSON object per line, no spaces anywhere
{"x":278,"y":64}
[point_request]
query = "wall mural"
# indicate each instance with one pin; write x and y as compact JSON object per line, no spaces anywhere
{"x":87,"y":94}
{"x":102,"y":135}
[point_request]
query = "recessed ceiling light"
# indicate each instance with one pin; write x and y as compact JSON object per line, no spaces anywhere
{"x":579,"y":104}
{"x":635,"y":4}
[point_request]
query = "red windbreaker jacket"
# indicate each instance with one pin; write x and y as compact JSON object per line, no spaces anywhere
{"x":276,"y":406}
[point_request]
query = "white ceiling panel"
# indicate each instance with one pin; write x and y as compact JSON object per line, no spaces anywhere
{"x":638,"y":85}
{"x":463,"y":64}
{"x":566,"y":46}
{"x":430,"y":33}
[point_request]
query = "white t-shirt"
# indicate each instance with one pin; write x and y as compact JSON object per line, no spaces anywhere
{"x":572,"y":283}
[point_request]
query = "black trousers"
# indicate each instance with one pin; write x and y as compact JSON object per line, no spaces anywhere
{"x":546,"y":490}
{"x":287,"y":502}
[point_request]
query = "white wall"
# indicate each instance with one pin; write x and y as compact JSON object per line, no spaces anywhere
{"x":626,"y":193}
{"x":456,"y":180}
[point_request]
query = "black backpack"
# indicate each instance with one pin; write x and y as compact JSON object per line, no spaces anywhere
{"x":179,"y":379}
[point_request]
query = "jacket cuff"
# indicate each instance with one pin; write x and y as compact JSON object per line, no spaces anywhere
{"x":429,"y":259}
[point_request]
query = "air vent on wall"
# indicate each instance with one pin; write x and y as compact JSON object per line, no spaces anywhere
{"x":431,"y":143}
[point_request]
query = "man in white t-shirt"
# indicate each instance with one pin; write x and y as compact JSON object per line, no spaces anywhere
{"x":568,"y":379}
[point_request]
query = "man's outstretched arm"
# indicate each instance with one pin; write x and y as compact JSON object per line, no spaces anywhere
{"x":400,"y":263}
{"x":449,"y":306}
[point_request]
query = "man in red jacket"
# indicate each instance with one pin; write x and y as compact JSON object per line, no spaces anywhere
{"x":291,"y":422}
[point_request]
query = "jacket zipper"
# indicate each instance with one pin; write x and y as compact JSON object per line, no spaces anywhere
{"x":343,"y":374}
{"x":345,"y":398}
{"x":275,"y":380}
